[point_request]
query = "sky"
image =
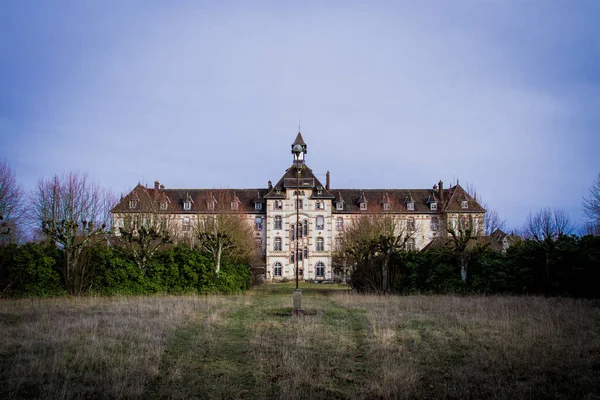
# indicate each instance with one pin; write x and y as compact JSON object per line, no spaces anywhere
{"x":498,"y":94}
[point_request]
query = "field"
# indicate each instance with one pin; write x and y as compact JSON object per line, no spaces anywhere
{"x":347,"y":346}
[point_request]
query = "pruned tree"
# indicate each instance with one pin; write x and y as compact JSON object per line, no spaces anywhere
{"x":547,"y":224}
{"x":464,"y":231}
{"x":73,"y":213}
{"x":11,"y":205}
{"x":591,"y":203}
{"x":146,"y":230}
{"x":225,"y":235}
{"x":366,"y":247}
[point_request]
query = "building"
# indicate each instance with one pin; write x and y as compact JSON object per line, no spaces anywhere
{"x":323,"y":214}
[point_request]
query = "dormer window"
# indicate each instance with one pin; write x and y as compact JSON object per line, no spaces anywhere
{"x":339,"y":206}
{"x":433,"y":206}
{"x":234,"y":205}
{"x":164,"y":205}
{"x":187,"y":205}
{"x":258,"y":205}
{"x":410,"y":206}
{"x":464,"y":204}
{"x":387,"y":206}
{"x":132,"y":203}
{"x":363,"y":206}
{"x":210,"y":205}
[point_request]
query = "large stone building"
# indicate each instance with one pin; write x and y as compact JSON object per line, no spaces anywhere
{"x":323,"y":214}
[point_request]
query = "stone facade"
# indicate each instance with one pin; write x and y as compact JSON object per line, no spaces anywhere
{"x":324,"y":213}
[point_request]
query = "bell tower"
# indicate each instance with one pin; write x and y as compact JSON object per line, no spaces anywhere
{"x":299,"y":159}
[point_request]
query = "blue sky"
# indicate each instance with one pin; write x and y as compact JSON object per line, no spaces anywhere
{"x":500,"y":94}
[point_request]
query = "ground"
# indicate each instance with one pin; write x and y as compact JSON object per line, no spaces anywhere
{"x":347,"y":346}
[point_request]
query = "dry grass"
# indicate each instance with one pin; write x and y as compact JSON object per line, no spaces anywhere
{"x":483,"y":347}
{"x":89,"y":347}
{"x":348,"y":347}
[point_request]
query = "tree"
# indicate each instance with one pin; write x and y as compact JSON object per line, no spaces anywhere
{"x":591,"y":203}
{"x":367,"y":246}
{"x":491,"y":219}
{"x":464,"y":231}
{"x":225,"y":235}
{"x":547,"y":224}
{"x":144,"y":232}
{"x":74,"y":214}
{"x":11,"y":205}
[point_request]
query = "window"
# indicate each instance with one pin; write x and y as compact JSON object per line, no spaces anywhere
{"x":278,"y":222}
{"x":435,"y":225}
{"x":187,"y":205}
{"x":119,"y":223}
{"x":164,"y":205}
{"x":300,"y":231}
{"x":277,"y":270}
{"x":340,"y":224}
{"x":339,"y":205}
{"x":186,"y":225}
{"x":305,"y":252}
{"x":257,"y":205}
{"x":387,"y":206}
{"x":410,"y":244}
{"x":464,"y":204}
{"x":464,"y":222}
{"x":305,"y":227}
{"x":363,"y":206}
{"x":320,"y":270}
{"x":132,"y":204}
{"x":292,"y":257}
{"x":410,"y":206}
{"x":277,"y":205}
{"x":433,"y":206}
{"x":210,"y":205}
{"x":258,"y":223}
{"x":299,"y":255}
{"x":258,"y":242}
{"x":234,"y":205}
{"x":299,"y":204}
{"x":410,"y":224}
{"x":300,"y":271}
{"x":320,"y":244}
{"x":320,"y":222}
{"x":292,"y":232}
{"x":277,"y":244}
{"x":319,"y":205}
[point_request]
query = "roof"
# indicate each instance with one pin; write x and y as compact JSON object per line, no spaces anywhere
{"x":455,"y":196}
{"x":397,"y":199}
{"x":199,"y":198}
{"x":299,"y":140}
{"x":291,"y":180}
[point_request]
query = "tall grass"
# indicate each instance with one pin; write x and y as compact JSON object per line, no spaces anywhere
{"x":89,"y":347}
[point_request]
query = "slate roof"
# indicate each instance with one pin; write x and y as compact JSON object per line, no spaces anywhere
{"x":306,"y":180}
{"x":245,"y":199}
{"x":398,"y":199}
{"x":299,"y":140}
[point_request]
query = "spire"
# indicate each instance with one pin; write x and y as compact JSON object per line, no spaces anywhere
{"x":299,"y":142}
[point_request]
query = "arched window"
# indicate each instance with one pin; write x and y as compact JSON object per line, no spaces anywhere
{"x":320,"y":222}
{"x":320,"y":270}
{"x":277,"y":269}
{"x":320,"y":244}
{"x":305,"y":227}
{"x":277,"y":244}
{"x":278,"y":223}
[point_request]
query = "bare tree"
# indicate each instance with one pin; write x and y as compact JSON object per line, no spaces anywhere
{"x":143,"y":232}
{"x":368,"y":245}
{"x":464,"y":231}
{"x":547,"y":224}
{"x":591,"y":203}
{"x":11,"y":205}
{"x":225,"y":234}
{"x":73,"y":213}
{"x":491,"y":219}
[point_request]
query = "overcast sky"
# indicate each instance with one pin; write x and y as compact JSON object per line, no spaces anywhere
{"x":504,"y":95}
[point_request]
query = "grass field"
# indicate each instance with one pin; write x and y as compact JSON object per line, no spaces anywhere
{"x":347,"y":346}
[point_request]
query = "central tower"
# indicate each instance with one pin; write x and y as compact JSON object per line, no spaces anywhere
{"x":299,"y":140}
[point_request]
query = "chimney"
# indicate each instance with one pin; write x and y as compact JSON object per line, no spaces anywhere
{"x":162,"y":187}
{"x":327,"y":180}
{"x":441,"y":186}
{"x":156,"y":185}
{"x":270,"y":185}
